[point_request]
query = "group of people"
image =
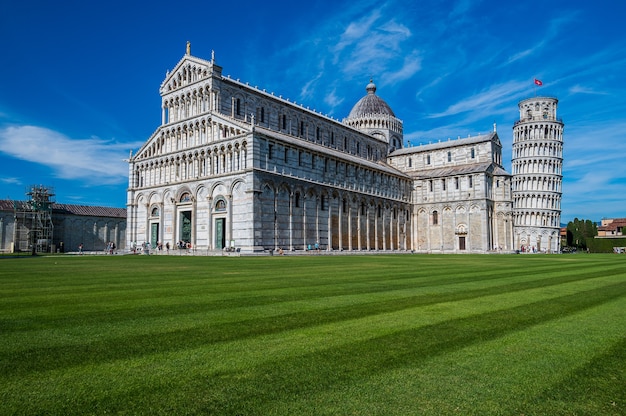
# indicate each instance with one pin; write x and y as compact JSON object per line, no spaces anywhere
{"x":145,"y":247}
{"x":529,"y":249}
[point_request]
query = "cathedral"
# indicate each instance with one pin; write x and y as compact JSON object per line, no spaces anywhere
{"x":236,"y":168}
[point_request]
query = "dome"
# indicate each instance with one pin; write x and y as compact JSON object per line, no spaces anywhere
{"x":370,"y":104}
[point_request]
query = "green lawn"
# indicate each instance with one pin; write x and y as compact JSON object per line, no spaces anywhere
{"x":314,"y":335}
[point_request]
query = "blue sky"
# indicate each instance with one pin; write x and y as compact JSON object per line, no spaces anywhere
{"x":80,"y":79}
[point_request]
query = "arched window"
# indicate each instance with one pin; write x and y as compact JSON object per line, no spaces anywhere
{"x":154,"y":212}
{"x":435,"y":218}
{"x":186,"y":197}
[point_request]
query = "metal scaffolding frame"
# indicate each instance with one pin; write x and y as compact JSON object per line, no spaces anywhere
{"x":33,"y":228}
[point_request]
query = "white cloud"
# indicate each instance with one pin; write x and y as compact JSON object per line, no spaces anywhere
{"x":579,"y":89}
{"x":489,"y":101}
{"x":332,"y":99}
{"x":520,"y":55}
{"x":430,"y":85}
{"x":357,"y":30}
{"x":308,"y":89}
{"x":91,"y":160}
{"x":373,"y":45}
{"x":411,"y":65}
{"x":11,"y":181}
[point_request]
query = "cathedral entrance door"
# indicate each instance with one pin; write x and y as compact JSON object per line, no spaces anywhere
{"x":154,"y":234}
{"x":220,"y":233}
{"x":185,"y":226}
{"x":461,"y":243}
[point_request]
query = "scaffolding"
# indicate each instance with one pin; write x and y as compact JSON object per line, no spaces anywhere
{"x":33,"y":229}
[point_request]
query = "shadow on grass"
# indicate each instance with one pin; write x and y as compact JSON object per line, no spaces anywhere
{"x":257,"y":390}
{"x":96,"y":352}
{"x":338,"y":366}
{"x":598,"y":388}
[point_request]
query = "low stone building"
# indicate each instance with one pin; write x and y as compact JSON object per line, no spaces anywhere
{"x":71,"y":225}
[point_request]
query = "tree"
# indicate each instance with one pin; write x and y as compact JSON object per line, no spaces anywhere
{"x":578,"y":231}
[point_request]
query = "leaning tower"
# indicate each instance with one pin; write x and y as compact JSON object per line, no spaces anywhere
{"x":537,"y":175}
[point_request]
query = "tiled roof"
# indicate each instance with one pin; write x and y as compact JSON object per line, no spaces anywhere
{"x":459,"y":170}
{"x":444,"y":144}
{"x":613,"y":225}
{"x":72,"y":209}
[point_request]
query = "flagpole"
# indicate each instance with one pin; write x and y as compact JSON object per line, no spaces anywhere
{"x":537,"y":82}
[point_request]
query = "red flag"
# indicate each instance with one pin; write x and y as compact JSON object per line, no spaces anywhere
{"x":538,"y":82}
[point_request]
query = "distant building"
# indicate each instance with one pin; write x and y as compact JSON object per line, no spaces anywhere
{"x":92,"y":226}
{"x":236,"y":167}
{"x":612,"y":228}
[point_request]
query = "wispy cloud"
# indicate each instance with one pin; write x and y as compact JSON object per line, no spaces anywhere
{"x":368,"y":40}
{"x":333,"y":99}
{"x":490,"y":100}
{"x":308,"y":89}
{"x":412,"y":64}
{"x":90,"y":160}
{"x":579,"y":89}
{"x":430,"y":85}
{"x":553,"y":31}
{"x":522,"y":54}
{"x":599,"y":192}
{"x":373,"y":44}
{"x":11,"y":181}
